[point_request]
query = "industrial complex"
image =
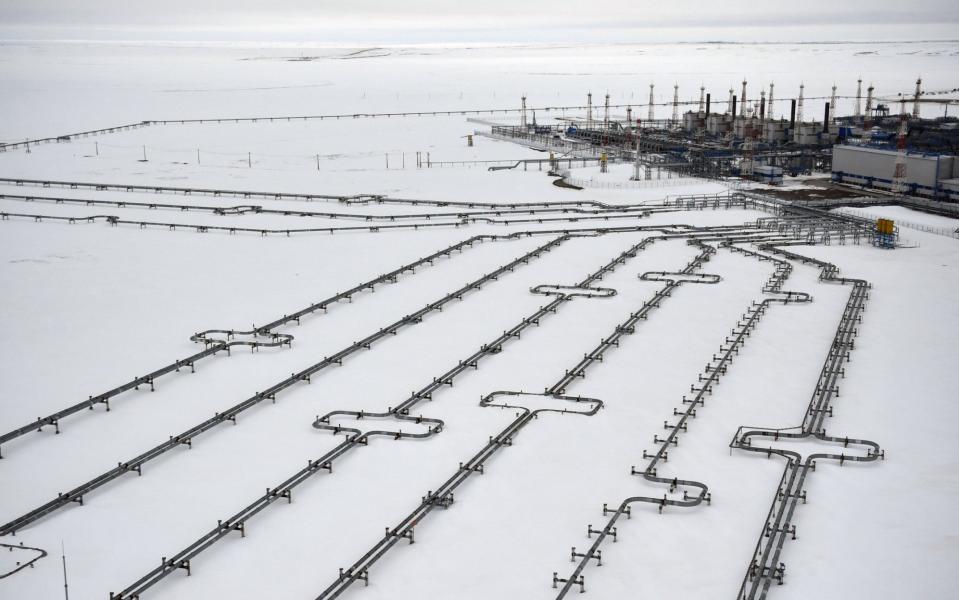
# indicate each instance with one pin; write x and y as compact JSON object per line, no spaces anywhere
{"x":763,"y":137}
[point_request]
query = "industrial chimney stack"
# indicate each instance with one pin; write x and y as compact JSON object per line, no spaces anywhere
{"x":651,"y":114}
{"x":915,"y":101}
{"x":769,"y":104}
{"x":589,"y":110}
{"x":798,"y":128}
{"x":742,"y":101}
{"x":859,"y":97}
{"x":675,"y":104}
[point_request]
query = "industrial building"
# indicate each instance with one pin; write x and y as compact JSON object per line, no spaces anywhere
{"x":930,"y":175}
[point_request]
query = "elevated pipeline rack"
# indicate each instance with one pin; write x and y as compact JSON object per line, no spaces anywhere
{"x":748,"y":200}
{"x":765,"y":565}
{"x":185,"y":438}
{"x":69,"y":137}
{"x":722,"y":202}
{"x":359,"y":570}
{"x":401,"y":411}
{"x":699,"y":391}
{"x":215,"y":346}
{"x":247,"y":209}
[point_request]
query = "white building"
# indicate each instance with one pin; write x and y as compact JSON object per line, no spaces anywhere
{"x":930,"y":175}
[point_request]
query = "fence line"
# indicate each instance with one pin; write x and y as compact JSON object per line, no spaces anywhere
{"x":646,"y":183}
{"x":944,"y":231}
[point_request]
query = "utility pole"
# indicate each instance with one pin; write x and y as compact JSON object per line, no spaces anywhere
{"x":63,"y":555}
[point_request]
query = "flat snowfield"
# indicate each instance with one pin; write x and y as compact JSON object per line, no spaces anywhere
{"x":341,"y":357}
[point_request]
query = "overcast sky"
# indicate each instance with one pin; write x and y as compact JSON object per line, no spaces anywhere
{"x":425,"y":21}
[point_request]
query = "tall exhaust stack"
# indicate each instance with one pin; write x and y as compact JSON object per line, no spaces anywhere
{"x":651,"y":114}
{"x":769,"y":104}
{"x":702,"y":97}
{"x":798,"y":127}
{"x":731,"y":106}
{"x":522,"y":114}
{"x":675,"y":104}
{"x":859,"y":97}
{"x":606,"y":113}
{"x":589,"y":110}
{"x":742,"y":101}
{"x":792,"y":114}
{"x":762,"y":114}
{"x":899,"y":185}
{"x":707,"y":104}
{"x":639,"y":154}
{"x":915,"y":101}
{"x":825,"y":119}
{"x":867,"y":120}
{"x":832,"y":105}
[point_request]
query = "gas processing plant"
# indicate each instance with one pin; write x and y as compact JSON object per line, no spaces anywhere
{"x":885,"y":150}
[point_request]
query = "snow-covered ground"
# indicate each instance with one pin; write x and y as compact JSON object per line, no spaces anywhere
{"x":88,"y":306}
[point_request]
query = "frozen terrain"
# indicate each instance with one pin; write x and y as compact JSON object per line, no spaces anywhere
{"x":88,"y":306}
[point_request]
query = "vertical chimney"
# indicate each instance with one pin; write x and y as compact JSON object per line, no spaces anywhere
{"x":792,"y":114}
{"x":825,"y":120}
{"x":734,"y":105}
{"x":707,"y":104}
